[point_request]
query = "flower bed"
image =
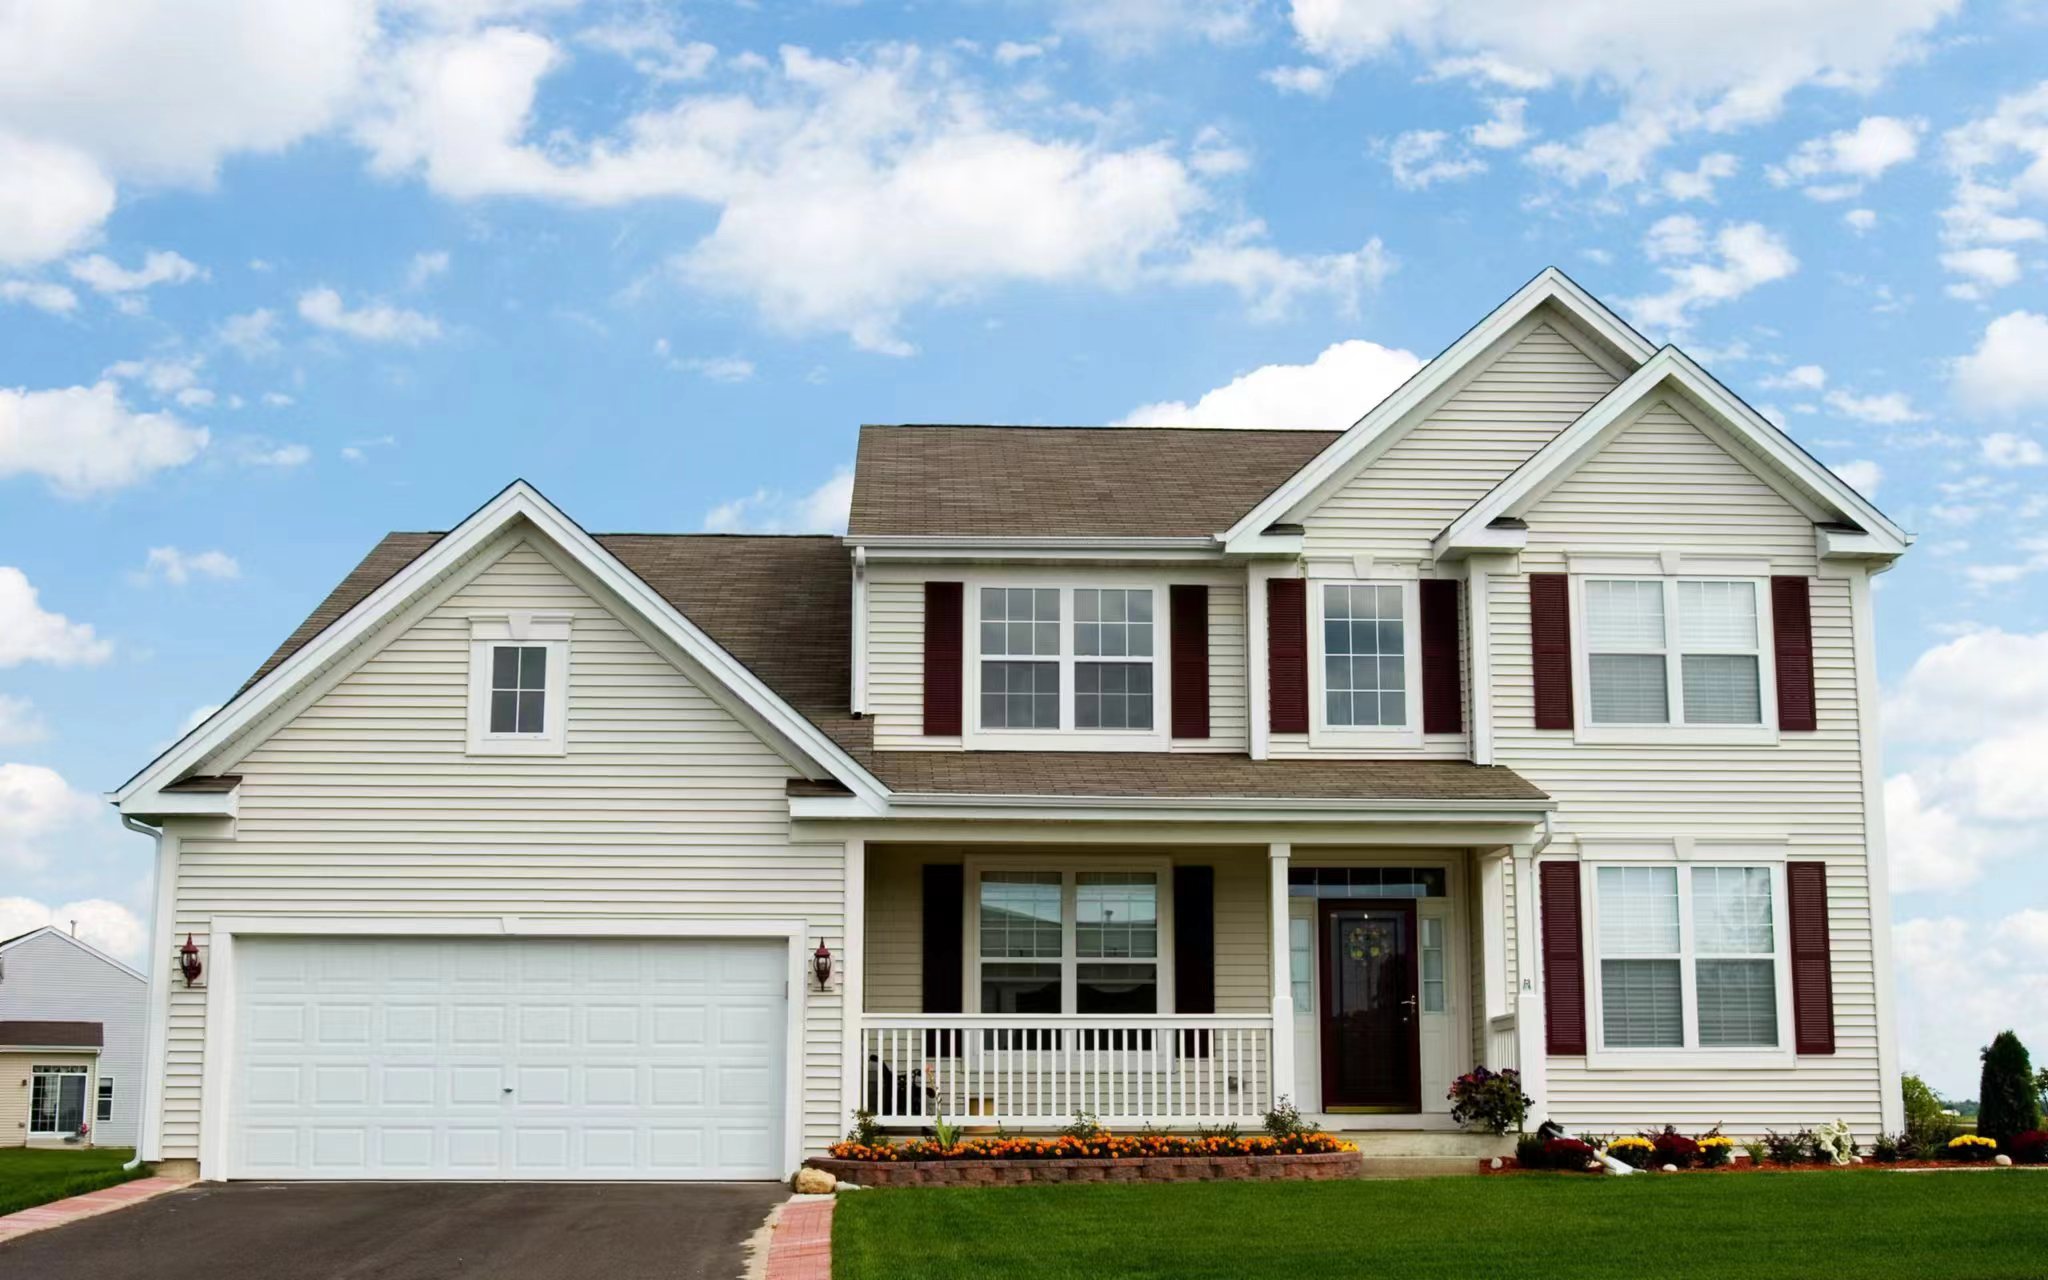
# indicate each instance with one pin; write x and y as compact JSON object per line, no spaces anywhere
{"x":1830,"y":1146}
{"x":1102,"y":1157}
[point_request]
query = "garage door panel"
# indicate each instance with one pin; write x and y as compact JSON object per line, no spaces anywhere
{"x":488,"y":1058}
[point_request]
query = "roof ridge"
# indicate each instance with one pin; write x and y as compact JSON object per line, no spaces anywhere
{"x":1105,"y":427}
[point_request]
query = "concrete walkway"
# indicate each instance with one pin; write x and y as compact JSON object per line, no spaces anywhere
{"x":58,"y":1212}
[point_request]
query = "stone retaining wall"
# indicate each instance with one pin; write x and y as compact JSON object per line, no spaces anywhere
{"x":1320,"y":1167}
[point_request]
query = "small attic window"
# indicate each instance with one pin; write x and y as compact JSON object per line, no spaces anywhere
{"x":518,"y":684}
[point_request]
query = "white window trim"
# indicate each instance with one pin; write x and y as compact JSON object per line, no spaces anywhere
{"x":104,"y":1091}
{"x":545,"y":630}
{"x":1691,"y":1057}
{"x":1406,"y":736}
{"x":1067,"y":737}
{"x":70,"y":1069}
{"x":1676,"y":731}
{"x":1069,"y":961}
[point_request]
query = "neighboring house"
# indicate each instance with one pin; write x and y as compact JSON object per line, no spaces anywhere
{"x":1155,"y":774}
{"x":72,"y":1024}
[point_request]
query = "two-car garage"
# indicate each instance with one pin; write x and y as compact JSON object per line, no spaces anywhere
{"x":538,"y":1058}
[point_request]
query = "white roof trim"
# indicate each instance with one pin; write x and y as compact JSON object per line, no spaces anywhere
{"x":1550,"y":285}
{"x":1789,"y":464}
{"x":86,"y":947}
{"x":517,"y":500}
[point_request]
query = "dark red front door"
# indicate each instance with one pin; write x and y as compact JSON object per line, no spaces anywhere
{"x":1371,"y":1045}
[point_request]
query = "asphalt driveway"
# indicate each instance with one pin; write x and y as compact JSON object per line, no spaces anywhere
{"x":403,"y":1231}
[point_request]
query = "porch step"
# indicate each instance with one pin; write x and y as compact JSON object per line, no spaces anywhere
{"x":1415,"y":1144}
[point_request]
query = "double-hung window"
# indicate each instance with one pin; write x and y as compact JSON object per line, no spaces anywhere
{"x":518,"y":684}
{"x":1365,"y":670}
{"x":1687,"y":957}
{"x":1674,"y":652}
{"x":1079,"y":662}
{"x":104,"y":1111}
{"x":1068,"y":941}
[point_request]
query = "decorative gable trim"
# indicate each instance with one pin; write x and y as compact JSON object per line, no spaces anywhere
{"x":1763,"y":448}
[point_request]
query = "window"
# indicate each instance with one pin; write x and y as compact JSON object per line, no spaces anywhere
{"x":518,"y":684}
{"x":1687,"y":957}
{"x":1076,"y":660}
{"x":1364,"y":672}
{"x":105,"y":1110}
{"x":1068,"y":941}
{"x":1434,"y":989}
{"x":1673,"y":651}
{"x":1301,"y":962}
{"x":56,"y":1101}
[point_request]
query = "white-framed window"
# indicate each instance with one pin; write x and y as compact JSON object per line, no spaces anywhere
{"x":103,"y":1110}
{"x":1088,"y":941}
{"x":1666,"y":657}
{"x":1688,"y":959}
{"x":518,"y":684}
{"x":56,"y":1099}
{"x":1365,"y":671}
{"x":1059,"y":665}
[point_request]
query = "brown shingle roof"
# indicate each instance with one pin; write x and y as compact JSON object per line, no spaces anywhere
{"x":1078,"y":481}
{"x":1189,"y":775}
{"x":50,"y":1035}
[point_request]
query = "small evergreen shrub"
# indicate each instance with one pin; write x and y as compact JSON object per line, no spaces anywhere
{"x":1529,"y":1152}
{"x":1284,"y":1120}
{"x":1789,"y":1148}
{"x":1756,"y":1151}
{"x":2006,"y":1101}
{"x":1885,"y":1150}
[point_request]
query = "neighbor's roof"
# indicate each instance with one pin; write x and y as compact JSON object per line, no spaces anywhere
{"x":52,"y":1035}
{"x":1146,"y":482}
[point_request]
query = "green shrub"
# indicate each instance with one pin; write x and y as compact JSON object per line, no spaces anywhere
{"x":1928,"y":1124}
{"x":1529,"y":1152}
{"x":2007,"y":1105}
{"x":866,"y":1132}
{"x":1790,"y":1148}
{"x":1084,"y":1127}
{"x":1285,"y":1119}
{"x":1756,"y":1150}
{"x":1885,"y":1150}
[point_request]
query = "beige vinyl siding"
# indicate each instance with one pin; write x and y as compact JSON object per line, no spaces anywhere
{"x":665,"y":805}
{"x":1229,"y":722}
{"x":1663,"y":484}
{"x":895,"y":917}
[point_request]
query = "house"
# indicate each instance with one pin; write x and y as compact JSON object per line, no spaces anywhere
{"x":1154,"y":774}
{"x":72,"y":1022}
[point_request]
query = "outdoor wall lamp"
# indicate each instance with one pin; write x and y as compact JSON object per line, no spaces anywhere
{"x":188,"y":961}
{"x":821,"y":964}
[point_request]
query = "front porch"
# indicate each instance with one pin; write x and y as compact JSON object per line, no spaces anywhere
{"x":1184,"y":986}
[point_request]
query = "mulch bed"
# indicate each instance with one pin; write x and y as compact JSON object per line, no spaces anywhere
{"x":1319,"y":1167}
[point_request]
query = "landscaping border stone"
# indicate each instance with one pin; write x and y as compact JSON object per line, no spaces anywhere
{"x":1317,"y":1167}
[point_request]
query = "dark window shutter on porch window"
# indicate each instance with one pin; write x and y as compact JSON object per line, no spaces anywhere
{"x":1287,"y":654}
{"x":1813,"y":983}
{"x":942,"y":663}
{"x":1550,"y":648}
{"x":945,"y":911}
{"x":1441,"y":694}
{"x":1792,"y":644}
{"x":1564,"y":959}
{"x":1194,"y":939}
{"x":1188,"y":604}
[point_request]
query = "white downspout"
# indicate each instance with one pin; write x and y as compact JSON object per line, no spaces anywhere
{"x":1542,"y":841}
{"x":158,"y":1023}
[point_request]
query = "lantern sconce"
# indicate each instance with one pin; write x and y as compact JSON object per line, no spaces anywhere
{"x":821,"y":965}
{"x":188,"y":962}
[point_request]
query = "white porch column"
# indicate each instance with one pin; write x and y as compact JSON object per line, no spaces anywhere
{"x":1529,"y":1020}
{"x":1494,"y":906}
{"x":1282,"y":1052}
{"x":852,"y":966}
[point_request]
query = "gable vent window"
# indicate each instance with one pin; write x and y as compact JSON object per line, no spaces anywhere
{"x":518,"y":684}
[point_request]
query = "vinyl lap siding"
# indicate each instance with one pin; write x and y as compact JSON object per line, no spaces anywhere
{"x":1229,"y":724}
{"x":366,"y":803}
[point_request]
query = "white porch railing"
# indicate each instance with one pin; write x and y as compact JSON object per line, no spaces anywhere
{"x":1503,"y":1043}
{"x":1037,"y":1072}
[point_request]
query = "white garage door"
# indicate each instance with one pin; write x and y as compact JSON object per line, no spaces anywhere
{"x":508,"y":1058}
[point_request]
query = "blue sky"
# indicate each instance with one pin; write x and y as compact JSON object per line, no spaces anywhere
{"x":275,"y":279}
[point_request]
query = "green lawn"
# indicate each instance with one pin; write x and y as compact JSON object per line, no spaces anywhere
{"x":31,"y":1176}
{"x":1854,"y":1223}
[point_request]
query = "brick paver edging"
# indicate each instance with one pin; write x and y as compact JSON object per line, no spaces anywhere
{"x":800,"y":1247}
{"x":1320,"y":1167}
{"x":58,"y":1212}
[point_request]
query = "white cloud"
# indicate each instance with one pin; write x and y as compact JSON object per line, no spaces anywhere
{"x":30,"y":633}
{"x":85,"y":440}
{"x":1306,"y":80}
{"x":1886,"y":409}
{"x":1698,"y":183}
{"x":370,"y":322}
{"x":168,"y":564}
{"x":1805,"y":377}
{"x":713,"y":368}
{"x":43,"y":295}
{"x":19,"y":724}
{"x":2004,"y":449}
{"x":1329,"y":393}
{"x":1860,"y":220}
{"x":261,"y":451}
{"x":822,"y":510}
{"x":167,"y":377}
{"x":1272,"y":282}
{"x":1962,"y":982}
{"x":109,"y":926}
{"x":1837,"y":166}
{"x":652,"y":49}
{"x":1505,"y":128}
{"x":102,"y":274}
{"x":1862,"y":475}
{"x":252,"y":333}
{"x":1417,"y":160}
{"x":2000,"y":163}
{"x":36,"y":805}
{"x":426,"y":266}
{"x":1213,"y":156}
{"x":1986,"y":267}
{"x":52,"y":198}
{"x":1136,"y":26}
{"x":1740,"y":257}
{"x":1011,"y":52}
{"x":2009,"y":369}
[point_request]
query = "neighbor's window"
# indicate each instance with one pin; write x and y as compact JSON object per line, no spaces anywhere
{"x":105,"y":1109}
{"x":1648,"y":639}
{"x":56,"y":1099}
{"x":1068,"y":942}
{"x":1688,"y":957}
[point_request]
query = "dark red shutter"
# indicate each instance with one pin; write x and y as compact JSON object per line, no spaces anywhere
{"x":1550,"y":648}
{"x":1792,"y":642}
{"x":1813,"y":983}
{"x":1564,"y":959}
{"x":1440,"y":692}
{"x":1287,"y":654}
{"x":1189,"y":608}
{"x":945,"y":915}
{"x":1194,"y":939}
{"x":942,"y":668}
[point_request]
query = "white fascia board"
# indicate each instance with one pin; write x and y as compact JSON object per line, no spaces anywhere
{"x":517,"y":500}
{"x":1550,"y":285}
{"x":1201,"y":548}
{"x":1788,"y":464}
